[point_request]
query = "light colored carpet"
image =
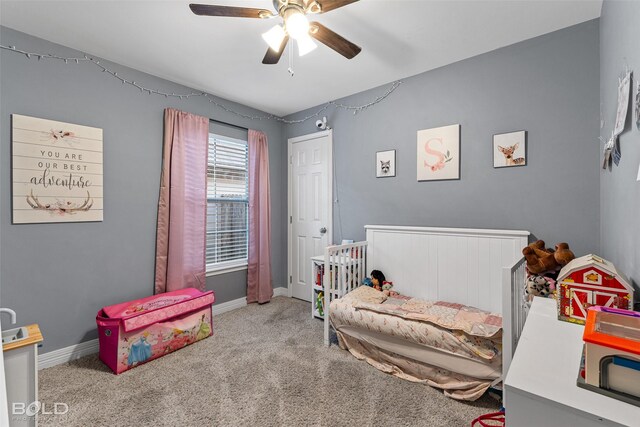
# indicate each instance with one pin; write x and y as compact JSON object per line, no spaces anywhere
{"x":264,"y":366}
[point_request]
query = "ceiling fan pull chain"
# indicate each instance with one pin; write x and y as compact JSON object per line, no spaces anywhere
{"x":290,"y":69}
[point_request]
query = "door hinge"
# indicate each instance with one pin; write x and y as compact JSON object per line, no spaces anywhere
{"x":290,"y":219}
{"x":290,"y":279}
{"x":290,"y":160}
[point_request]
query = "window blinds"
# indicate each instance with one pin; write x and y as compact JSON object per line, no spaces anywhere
{"x":227,"y":202}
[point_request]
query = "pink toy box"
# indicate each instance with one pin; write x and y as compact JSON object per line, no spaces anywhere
{"x":135,"y":332}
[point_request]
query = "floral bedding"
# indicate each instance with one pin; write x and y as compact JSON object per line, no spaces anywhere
{"x":448,"y":315}
{"x":454,"y":329}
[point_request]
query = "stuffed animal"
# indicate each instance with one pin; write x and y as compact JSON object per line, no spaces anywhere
{"x":387,"y":289}
{"x":367,"y":282}
{"x":563,"y":254}
{"x":539,"y":259}
{"x":540,"y":286}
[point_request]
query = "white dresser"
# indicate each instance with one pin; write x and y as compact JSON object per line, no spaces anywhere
{"x":540,"y":388}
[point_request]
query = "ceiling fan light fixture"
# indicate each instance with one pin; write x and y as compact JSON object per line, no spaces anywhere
{"x":274,"y":37}
{"x":296,"y":23}
{"x":305,"y":45}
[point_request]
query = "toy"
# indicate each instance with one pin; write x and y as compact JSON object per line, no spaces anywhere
{"x":540,"y":286}
{"x":379,"y":282}
{"x":378,"y":279}
{"x":367,"y":282}
{"x":136,"y":332}
{"x":540,"y":260}
{"x":387,"y":289}
{"x":612,"y":353}
{"x":563,"y":254}
{"x":587,"y":281}
{"x":320,"y":303}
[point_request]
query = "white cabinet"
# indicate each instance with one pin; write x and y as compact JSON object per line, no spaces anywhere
{"x":21,"y":374}
{"x":540,"y":388}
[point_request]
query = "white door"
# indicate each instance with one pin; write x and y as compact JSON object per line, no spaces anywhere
{"x":310,"y":203}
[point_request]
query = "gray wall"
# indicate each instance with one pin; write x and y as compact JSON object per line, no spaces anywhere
{"x":619,"y":190}
{"x":547,"y":86}
{"x":60,"y":275}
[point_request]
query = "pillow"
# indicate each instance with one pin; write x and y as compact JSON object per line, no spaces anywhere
{"x":367,"y":294}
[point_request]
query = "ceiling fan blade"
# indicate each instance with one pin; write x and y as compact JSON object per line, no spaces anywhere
{"x":328,"y":5}
{"x":272,"y":57}
{"x":235,"y":12}
{"x":333,"y":40}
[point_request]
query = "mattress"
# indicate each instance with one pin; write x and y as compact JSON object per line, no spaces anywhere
{"x":463,"y":359}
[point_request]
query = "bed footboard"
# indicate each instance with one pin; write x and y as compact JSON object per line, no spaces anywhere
{"x":514,"y":310}
{"x":344,"y":270}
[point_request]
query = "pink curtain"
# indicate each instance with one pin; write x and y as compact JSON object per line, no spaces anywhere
{"x":181,"y":234}
{"x":259,"y":287}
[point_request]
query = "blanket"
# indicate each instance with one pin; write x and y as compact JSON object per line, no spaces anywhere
{"x":455,"y":317}
{"x":465,"y":333}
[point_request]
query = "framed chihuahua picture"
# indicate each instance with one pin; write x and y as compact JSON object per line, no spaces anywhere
{"x":385,"y":164}
{"x":510,"y":149}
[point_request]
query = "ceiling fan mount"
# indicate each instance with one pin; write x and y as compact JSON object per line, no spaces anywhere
{"x":295,"y":25}
{"x":301,"y":5}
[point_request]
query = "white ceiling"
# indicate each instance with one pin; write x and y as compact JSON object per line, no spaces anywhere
{"x":399,"y":38}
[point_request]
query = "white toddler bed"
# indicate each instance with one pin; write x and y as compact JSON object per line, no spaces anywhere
{"x":474,"y":267}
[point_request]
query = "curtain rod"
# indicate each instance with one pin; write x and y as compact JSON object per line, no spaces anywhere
{"x":229,"y":124}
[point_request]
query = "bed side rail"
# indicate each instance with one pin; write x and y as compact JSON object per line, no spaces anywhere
{"x":344,"y":270}
{"x":514,"y":310}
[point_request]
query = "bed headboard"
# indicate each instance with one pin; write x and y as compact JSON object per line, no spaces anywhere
{"x":458,"y":265}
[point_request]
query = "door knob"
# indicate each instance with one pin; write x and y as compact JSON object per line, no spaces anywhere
{"x":323,"y":230}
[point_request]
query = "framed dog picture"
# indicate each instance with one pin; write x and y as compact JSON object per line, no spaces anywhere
{"x":385,"y":164}
{"x":510,"y":149}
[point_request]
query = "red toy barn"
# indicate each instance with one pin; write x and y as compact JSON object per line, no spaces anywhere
{"x":591,"y":280}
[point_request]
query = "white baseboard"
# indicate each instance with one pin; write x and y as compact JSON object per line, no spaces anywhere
{"x":223,"y":307}
{"x":242,"y":302}
{"x":67,"y":354}
{"x":73,"y":352}
{"x":281,"y":292}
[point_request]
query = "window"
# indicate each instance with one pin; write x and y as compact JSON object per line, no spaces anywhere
{"x":227,"y":203}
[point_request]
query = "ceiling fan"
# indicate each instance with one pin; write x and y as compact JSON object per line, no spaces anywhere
{"x":296,"y":25}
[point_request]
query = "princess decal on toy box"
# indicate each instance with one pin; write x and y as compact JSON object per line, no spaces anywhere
{"x":162,"y":338}
{"x":140,"y":351}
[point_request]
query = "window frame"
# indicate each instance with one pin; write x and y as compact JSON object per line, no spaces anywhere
{"x":237,"y":264}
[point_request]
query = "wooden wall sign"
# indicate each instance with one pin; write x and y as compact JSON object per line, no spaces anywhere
{"x":57,"y":171}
